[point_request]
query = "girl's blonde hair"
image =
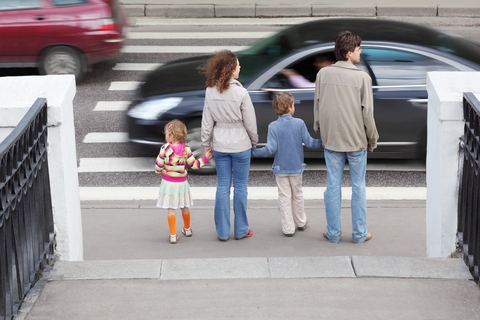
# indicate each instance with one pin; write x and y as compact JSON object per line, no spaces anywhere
{"x":178,"y":130}
{"x":219,"y":69}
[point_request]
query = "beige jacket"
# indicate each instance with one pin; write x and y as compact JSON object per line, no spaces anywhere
{"x":229,"y":123}
{"x":343,"y":108}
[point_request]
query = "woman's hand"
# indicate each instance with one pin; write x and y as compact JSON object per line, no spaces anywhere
{"x":209,"y":154}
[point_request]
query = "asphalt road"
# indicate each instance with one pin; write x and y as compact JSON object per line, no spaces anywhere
{"x":95,"y":87}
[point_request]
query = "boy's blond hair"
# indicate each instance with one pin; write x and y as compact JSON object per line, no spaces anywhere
{"x":282,"y":101}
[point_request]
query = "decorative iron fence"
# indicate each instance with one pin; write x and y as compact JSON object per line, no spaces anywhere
{"x":26,"y":217}
{"x":468,"y":230}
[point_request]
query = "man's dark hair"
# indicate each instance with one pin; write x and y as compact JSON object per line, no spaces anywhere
{"x":346,"y":42}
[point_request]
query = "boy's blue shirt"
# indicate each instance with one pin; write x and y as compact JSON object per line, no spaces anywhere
{"x":284,"y":139}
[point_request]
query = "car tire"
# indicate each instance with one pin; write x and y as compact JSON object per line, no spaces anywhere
{"x":63,"y":60}
{"x":194,"y":141}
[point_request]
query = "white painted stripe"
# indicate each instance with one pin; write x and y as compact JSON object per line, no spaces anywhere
{"x":124,"y":85}
{"x":116,"y":164}
{"x":136,"y":66}
{"x":147,"y":21}
{"x":254,"y":193}
{"x":180,"y":49}
{"x":106,"y":137}
{"x":147,"y":164}
{"x":199,"y":35}
{"x":111,"y":106}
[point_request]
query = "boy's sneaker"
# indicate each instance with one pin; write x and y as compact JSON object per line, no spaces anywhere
{"x":173,"y":238}
{"x":304,"y":227}
{"x":187,"y":232}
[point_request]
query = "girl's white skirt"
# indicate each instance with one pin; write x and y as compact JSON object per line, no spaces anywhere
{"x":174,"y":195}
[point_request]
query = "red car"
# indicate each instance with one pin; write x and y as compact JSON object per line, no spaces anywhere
{"x":60,"y":36}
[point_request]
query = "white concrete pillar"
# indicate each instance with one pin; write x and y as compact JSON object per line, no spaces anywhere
{"x":445,"y":128}
{"x":17,"y":94}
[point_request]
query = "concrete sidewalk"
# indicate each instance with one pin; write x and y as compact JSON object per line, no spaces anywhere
{"x":301,"y":8}
{"x":131,"y":271}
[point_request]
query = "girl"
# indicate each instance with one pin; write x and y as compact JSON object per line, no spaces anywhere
{"x":171,"y":163}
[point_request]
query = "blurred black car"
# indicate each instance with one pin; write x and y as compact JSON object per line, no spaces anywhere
{"x":397,"y":56}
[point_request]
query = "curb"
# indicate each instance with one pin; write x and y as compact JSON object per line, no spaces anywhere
{"x":263,"y":268}
{"x":270,"y":11}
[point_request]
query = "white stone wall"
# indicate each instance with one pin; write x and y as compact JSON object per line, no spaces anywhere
{"x":445,"y":128}
{"x":17,"y":94}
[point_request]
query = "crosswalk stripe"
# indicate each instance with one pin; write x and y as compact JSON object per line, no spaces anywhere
{"x":111,"y":106}
{"x":254,"y":193}
{"x":106,"y":137}
{"x":180,"y":49}
{"x":147,"y":21}
{"x":136,"y":66}
{"x":123,"y":85}
{"x":116,"y":164}
{"x":199,"y":35}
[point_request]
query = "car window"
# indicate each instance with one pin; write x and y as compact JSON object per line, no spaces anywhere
{"x":20,"y":4}
{"x":60,"y":3}
{"x":302,"y":73}
{"x":394,"y":67}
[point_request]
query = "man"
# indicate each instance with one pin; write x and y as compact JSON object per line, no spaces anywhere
{"x":343,"y":112}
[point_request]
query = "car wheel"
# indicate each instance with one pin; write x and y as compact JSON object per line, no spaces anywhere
{"x":194,"y":141}
{"x":63,"y":60}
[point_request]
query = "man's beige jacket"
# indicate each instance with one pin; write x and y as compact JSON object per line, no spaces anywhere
{"x":343,"y":108}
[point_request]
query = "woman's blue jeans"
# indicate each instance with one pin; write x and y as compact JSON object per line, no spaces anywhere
{"x":357,"y":162}
{"x":231,"y":167}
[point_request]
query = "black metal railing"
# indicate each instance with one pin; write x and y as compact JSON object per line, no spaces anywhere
{"x":26,"y":217}
{"x":468,"y":227}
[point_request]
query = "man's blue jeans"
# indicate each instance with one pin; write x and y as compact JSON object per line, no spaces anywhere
{"x":236,"y":166}
{"x":357,"y":162}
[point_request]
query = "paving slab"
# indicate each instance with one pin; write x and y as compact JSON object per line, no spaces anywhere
{"x":111,"y":269}
{"x":226,"y":268}
{"x":311,"y":267}
{"x":408,"y":267}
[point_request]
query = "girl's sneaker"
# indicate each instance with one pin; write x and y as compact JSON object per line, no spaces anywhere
{"x":187,"y":232}
{"x":173,"y":238}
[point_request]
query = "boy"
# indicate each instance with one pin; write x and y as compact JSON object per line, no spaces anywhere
{"x":284,"y":139}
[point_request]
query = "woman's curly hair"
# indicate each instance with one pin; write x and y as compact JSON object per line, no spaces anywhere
{"x":219,"y":69}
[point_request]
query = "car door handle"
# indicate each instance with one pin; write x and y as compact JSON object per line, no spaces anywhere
{"x":40,"y":17}
{"x":418,"y":100}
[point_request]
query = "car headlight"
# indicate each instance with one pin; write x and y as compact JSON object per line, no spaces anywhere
{"x":152,"y":109}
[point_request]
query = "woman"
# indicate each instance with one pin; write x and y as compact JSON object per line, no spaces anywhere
{"x":229,"y":127}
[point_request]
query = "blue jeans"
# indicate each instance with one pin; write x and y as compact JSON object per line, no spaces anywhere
{"x":357,"y":162}
{"x":236,"y":166}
